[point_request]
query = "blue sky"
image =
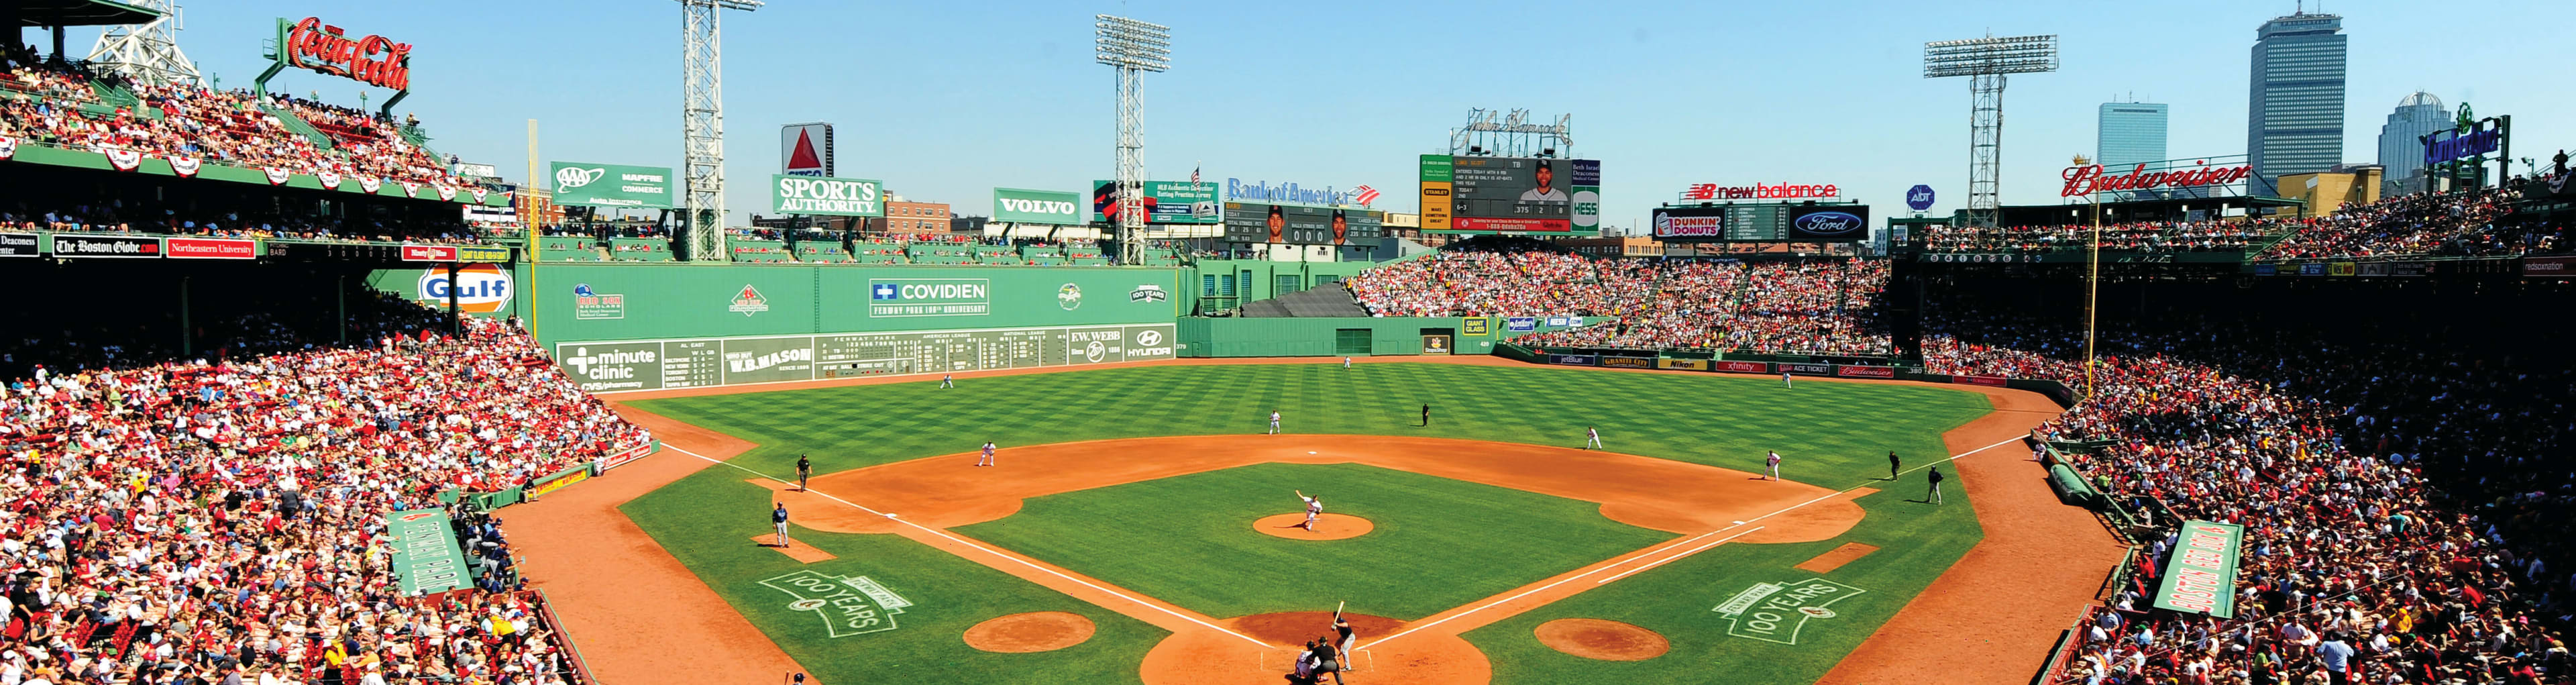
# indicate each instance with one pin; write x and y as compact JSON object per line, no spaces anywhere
{"x":944,"y":101}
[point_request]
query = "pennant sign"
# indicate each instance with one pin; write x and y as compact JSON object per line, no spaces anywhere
{"x":8,"y":147}
{"x":186,"y":167}
{"x":410,"y":188}
{"x":330,"y":179}
{"x":277,"y":176}
{"x":478,"y":196}
{"x":370,"y":184}
{"x":124,"y":160}
{"x":445,"y":193}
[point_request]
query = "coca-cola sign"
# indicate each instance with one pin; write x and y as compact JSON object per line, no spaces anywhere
{"x":373,"y":60}
{"x":2086,"y":180}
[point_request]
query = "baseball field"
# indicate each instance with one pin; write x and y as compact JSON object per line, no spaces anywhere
{"x":1140,"y":526}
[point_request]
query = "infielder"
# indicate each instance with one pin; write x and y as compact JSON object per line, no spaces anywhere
{"x":1314,"y":508}
{"x":1274,"y":422}
{"x":1773,"y":462}
{"x":947,"y":380}
{"x":987,"y":459}
{"x":1592,"y":438}
{"x":778,"y":517}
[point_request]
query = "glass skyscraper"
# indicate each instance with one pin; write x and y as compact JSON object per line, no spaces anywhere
{"x":2129,"y":134}
{"x":2401,"y":140}
{"x":2294,"y":115}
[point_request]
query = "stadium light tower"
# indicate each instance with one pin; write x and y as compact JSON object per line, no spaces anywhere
{"x":1132,"y":48}
{"x":147,"y":52}
{"x":1985,"y":61}
{"x":702,"y":124}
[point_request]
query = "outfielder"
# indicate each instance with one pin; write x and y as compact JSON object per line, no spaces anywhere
{"x":987,"y":459}
{"x":1784,"y":380}
{"x":1592,"y":438}
{"x":778,"y":517}
{"x":1346,"y":362}
{"x":1314,"y":508}
{"x":947,"y":380}
{"x":1274,"y":422}
{"x":1773,"y":462}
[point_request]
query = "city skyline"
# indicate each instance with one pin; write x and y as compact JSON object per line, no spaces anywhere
{"x":1320,"y":100}
{"x":2128,"y":134}
{"x":2401,"y":139}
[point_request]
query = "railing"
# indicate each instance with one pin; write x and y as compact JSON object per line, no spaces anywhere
{"x":572,"y":649}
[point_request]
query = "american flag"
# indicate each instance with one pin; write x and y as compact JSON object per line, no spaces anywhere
{"x":1366,"y":195}
{"x":1194,"y":175}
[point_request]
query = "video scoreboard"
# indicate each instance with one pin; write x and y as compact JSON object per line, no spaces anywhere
{"x":1467,"y":193}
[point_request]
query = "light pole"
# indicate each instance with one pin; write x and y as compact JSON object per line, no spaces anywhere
{"x":1133,"y":48}
{"x":2092,"y":279}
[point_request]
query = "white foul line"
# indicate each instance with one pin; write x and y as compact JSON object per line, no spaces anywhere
{"x":1670,"y":559}
{"x":1671,"y":546}
{"x":981,"y":548}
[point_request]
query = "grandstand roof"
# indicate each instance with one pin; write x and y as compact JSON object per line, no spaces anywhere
{"x":80,"y":13}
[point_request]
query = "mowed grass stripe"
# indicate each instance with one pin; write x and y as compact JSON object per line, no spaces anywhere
{"x":1835,"y":435}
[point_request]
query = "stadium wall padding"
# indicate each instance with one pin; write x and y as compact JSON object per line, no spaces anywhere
{"x":1219,"y":284}
{"x":570,"y":302}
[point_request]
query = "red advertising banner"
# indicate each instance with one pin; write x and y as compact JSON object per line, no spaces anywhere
{"x":428,"y":253}
{"x":1742,"y":367}
{"x":1995,"y":381}
{"x":620,"y":459}
{"x":1470,"y":223}
{"x":212,"y":248}
{"x":1865,"y":371}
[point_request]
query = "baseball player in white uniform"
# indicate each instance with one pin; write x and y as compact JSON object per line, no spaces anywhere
{"x":1314,"y":508}
{"x":1274,"y":422}
{"x":1773,"y":462}
{"x":779,"y":516}
{"x":1784,"y":380}
{"x":1346,"y":362}
{"x":1592,"y":438}
{"x":987,"y":459}
{"x":947,"y":381}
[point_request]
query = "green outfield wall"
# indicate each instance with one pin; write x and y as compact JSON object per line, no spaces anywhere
{"x":643,"y":326}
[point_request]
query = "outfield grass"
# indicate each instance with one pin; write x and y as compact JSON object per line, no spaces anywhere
{"x":1834,"y":435}
{"x":1438,"y":543}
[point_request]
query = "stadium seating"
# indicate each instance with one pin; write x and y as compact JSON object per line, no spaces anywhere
{"x":64,"y":107}
{"x":211,"y":515}
{"x":1805,"y":306}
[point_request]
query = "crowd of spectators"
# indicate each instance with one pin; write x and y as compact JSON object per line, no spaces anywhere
{"x":2144,"y":236}
{"x":55,"y":105}
{"x":206,"y":518}
{"x":2403,"y":524}
{"x":1826,"y":306}
{"x":2456,"y":223}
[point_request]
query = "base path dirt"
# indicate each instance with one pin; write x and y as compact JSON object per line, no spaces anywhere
{"x":625,"y":601}
{"x":1037,"y":631}
{"x":1836,"y":557}
{"x":1593,"y":638}
{"x":2005,"y":602}
{"x":805,"y":554}
{"x":1328,"y":526}
{"x":1212,"y":658}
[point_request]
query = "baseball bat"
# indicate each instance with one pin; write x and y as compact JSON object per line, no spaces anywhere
{"x":1337,"y":609}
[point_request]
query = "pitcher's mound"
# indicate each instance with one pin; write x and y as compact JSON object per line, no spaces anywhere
{"x":1328,"y":526}
{"x":1030,"y":632}
{"x":1593,"y":638}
